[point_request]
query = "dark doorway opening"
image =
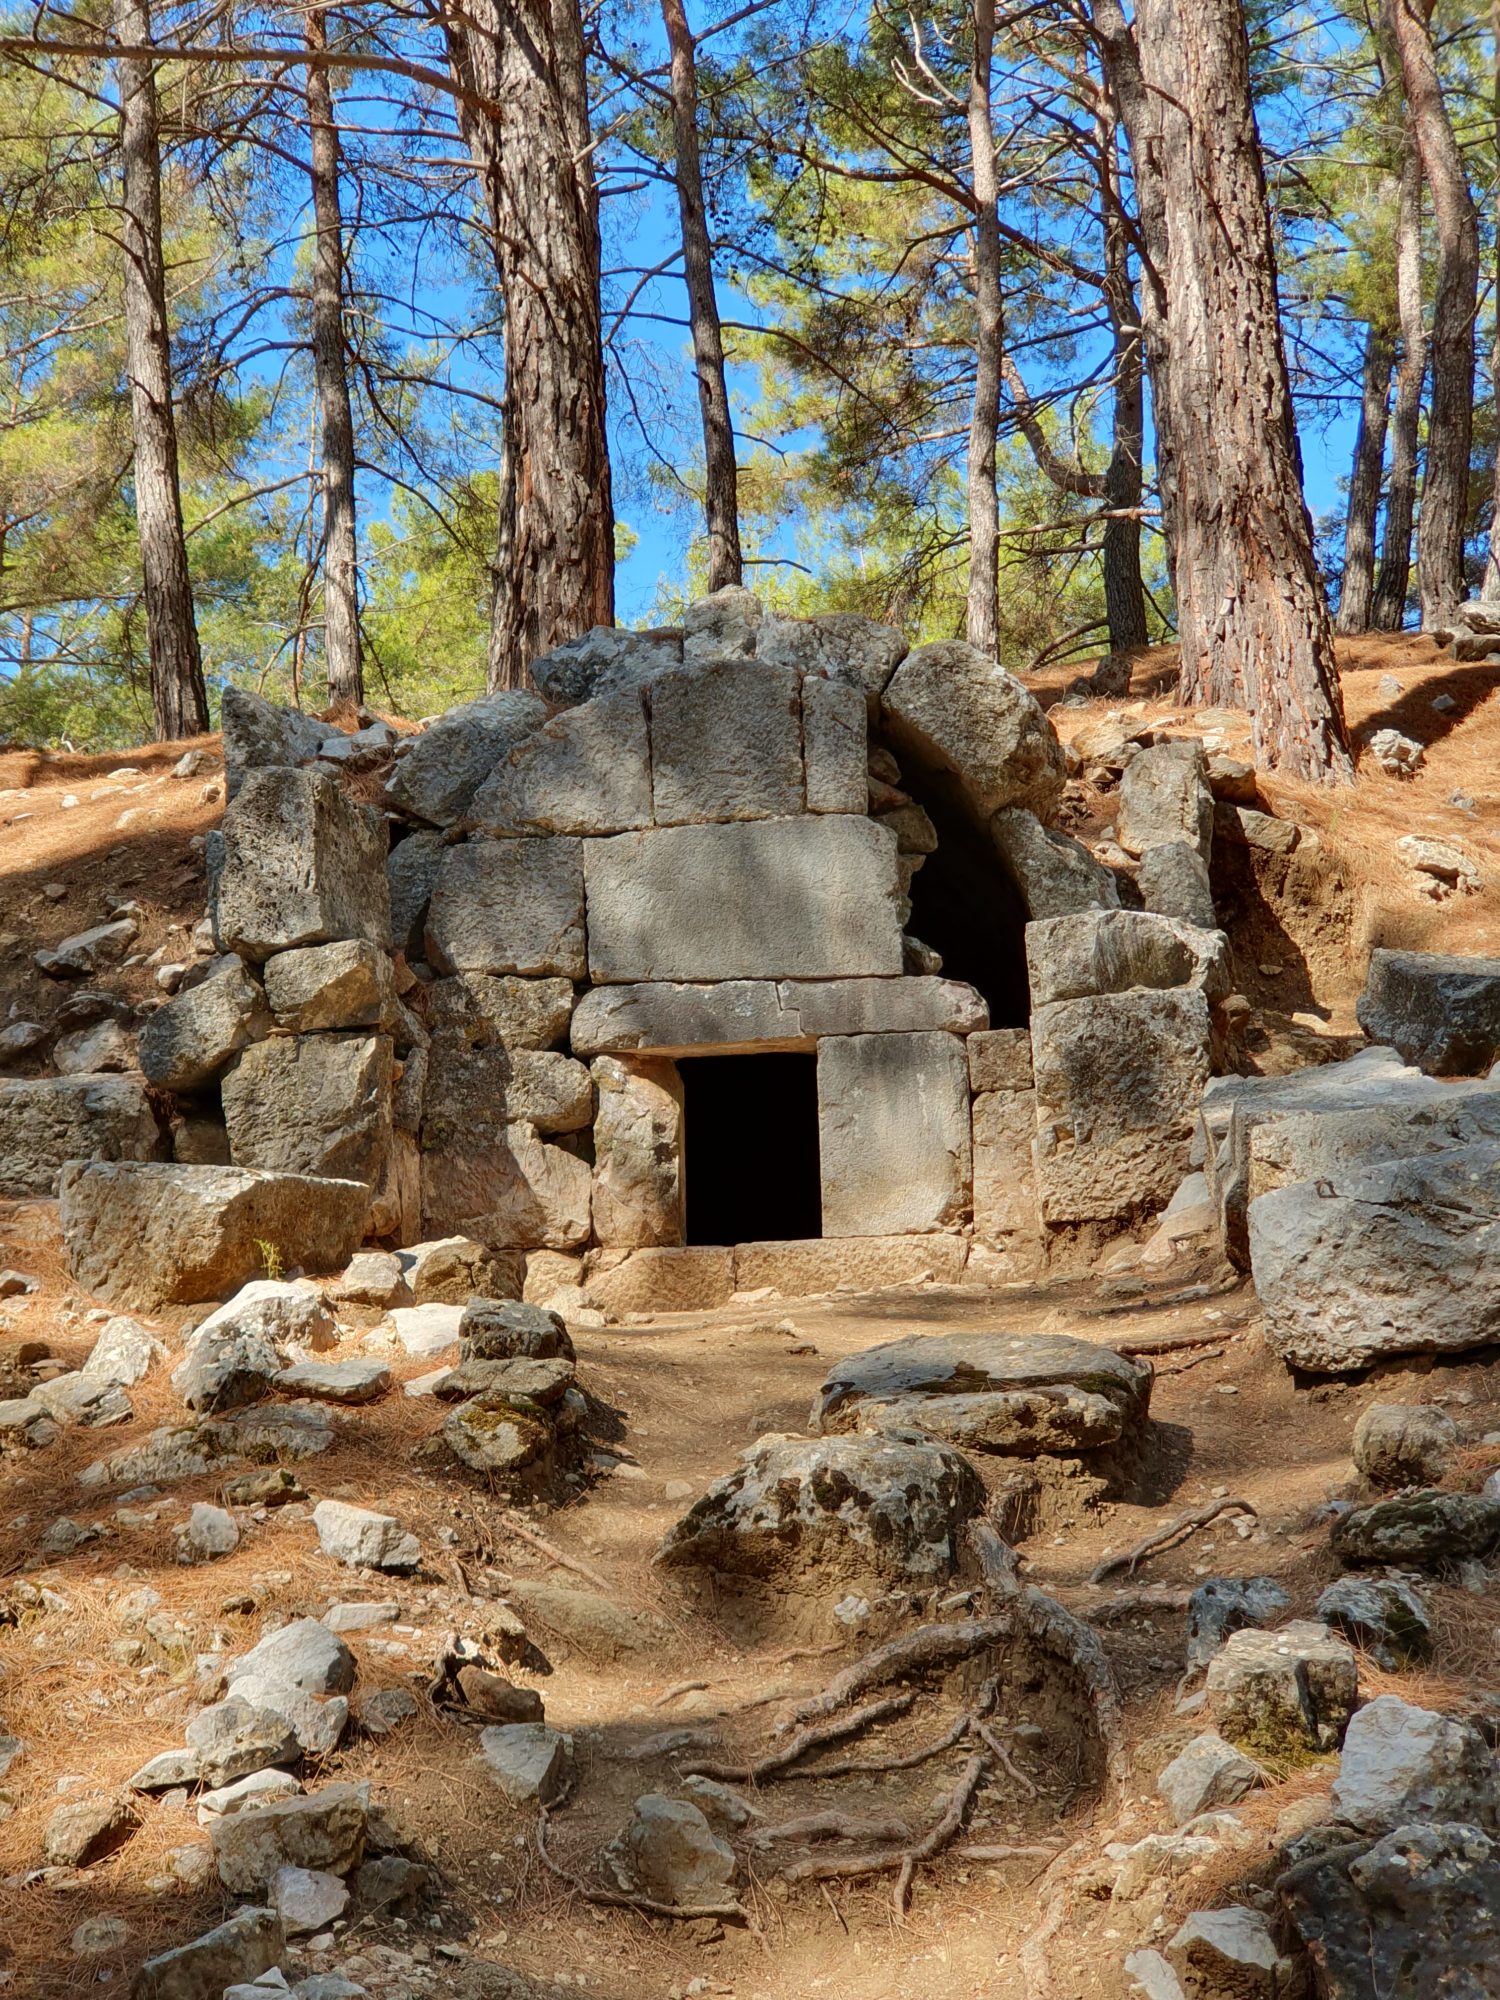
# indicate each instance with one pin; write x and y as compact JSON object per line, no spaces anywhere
{"x":750,"y":1148}
{"x":965,"y":905}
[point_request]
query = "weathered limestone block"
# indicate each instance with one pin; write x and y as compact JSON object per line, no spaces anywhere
{"x":1402,"y":1763}
{"x":808,"y":898}
{"x":721,"y":626}
{"x":1165,"y":797}
{"x":303,"y":864}
{"x":435,"y":779}
{"x":484,"y":1008}
{"x":1308,"y":1145}
{"x":1438,"y":1011}
{"x":726,"y":743}
{"x":1005,"y":1196}
{"x":189,"y":1039}
{"x":1118,"y":1079}
{"x":1056,"y":875}
{"x":145,"y":1236}
{"x":848,"y":1264}
{"x":999,"y":1059}
{"x":1173,"y":881}
{"x":893,"y":1133}
{"x":453,"y":1269}
{"x":472,"y":1092}
{"x":677,"y":1019}
{"x":344,"y":985}
{"x":396,"y":1198}
{"x":258,"y":733}
{"x":588,"y":770}
{"x":1399,"y":1257}
{"x":1284,"y":1691}
{"x":835,"y":746}
{"x":663,"y":1280}
{"x":604,"y":658}
{"x":1113,"y":951}
{"x":513,"y":1192}
{"x":47,"y":1120}
{"x":837,"y":644}
{"x":509,"y":906}
{"x":312,"y":1104}
{"x":637,"y":1199}
{"x":954,"y":709}
{"x":411,"y":872}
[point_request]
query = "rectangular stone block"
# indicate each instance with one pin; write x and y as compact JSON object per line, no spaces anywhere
{"x":664,"y":1280}
{"x":486,"y":1007}
{"x":726,"y":743}
{"x":47,"y":1120}
{"x":893,"y":1133}
{"x":915,"y":1004}
{"x":475,"y":1091}
{"x":1000,"y":1060}
{"x":638,"y":1152}
{"x":1005,"y":1203}
{"x":1118,"y":1081}
{"x":512,"y":1192}
{"x":588,"y":770}
{"x":302,"y":864}
{"x":848,"y":1264}
{"x":835,"y":746}
{"x":762,"y":1014}
{"x":808,"y":898}
{"x":312,"y":1104}
{"x":509,"y":906}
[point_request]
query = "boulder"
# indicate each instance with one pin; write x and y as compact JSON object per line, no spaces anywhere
{"x":816,"y":897}
{"x":1019,"y":1394}
{"x":106,"y":1046}
{"x":527,"y":1761}
{"x":273,"y":1309}
{"x":1208,"y":1774}
{"x":894,"y":1140}
{"x":303,"y":864}
{"x":1416,"y":1912}
{"x":668,"y":1853}
{"x":147,"y":1236}
{"x":347,"y":984}
{"x":186,"y":1042}
{"x":307,"y":1899}
{"x":1421,"y":1528}
{"x":1283,"y":1693}
{"x":841,"y":1507}
{"x":439,"y":772}
{"x":605,"y":657}
{"x":83,"y":1830}
{"x":225,"y":1368}
{"x":1381,"y":1615}
{"x":1438,"y":1011}
{"x":637,"y":1194}
{"x":509,"y":906}
{"x":1404,"y":1444}
{"x":258,"y":734}
{"x":77,"y":1398}
{"x":952,"y":709}
{"x":1401,"y":1763}
{"x":312,"y":1104}
{"x":496,"y":1433}
{"x":1165,"y":799}
{"x":304,"y":1656}
{"x":523,"y":1379}
{"x":1056,"y":875}
{"x":723,"y":625}
{"x":374,"y":1278}
{"x":324,"y":1830}
{"x":47,"y":1121}
{"x":500,"y":1330}
{"x":1118,"y":951}
{"x":1400,"y":1257}
{"x":363,"y":1539}
{"x":587,"y":770}
{"x":248,"y":1944}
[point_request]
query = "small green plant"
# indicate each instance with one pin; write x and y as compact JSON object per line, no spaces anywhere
{"x":270,"y":1258}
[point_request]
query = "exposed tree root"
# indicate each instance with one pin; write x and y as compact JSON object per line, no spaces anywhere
{"x":924,"y":1650}
{"x":615,"y":1899}
{"x":1184,"y":1525}
{"x":805,"y":1741}
{"x":831,"y":1826}
{"x":1125,"y":1603}
{"x":678,"y":1689}
{"x":905,"y":1860}
{"x":1053,"y":1628}
{"x":1003,"y":1758}
{"x":854,"y":1767}
{"x":1002,"y":1852}
{"x":512,"y":1521}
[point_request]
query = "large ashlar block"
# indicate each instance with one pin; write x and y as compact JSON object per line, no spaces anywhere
{"x":893,"y":1133}
{"x":303,"y":864}
{"x":485,"y":1008}
{"x":1005,"y":1204}
{"x":513,"y":1191}
{"x":848,"y":1264}
{"x":1118,"y":1080}
{"x":509,"y":906}
{"x":726,"y":743}
{"x":835,"y":746}
{"x":312,"y":1104}
{"x":763,"y":1014}
{"x":473,"y":1091}
{"x":663,"y":1280}
{"x":47,"y":1120}
{"x":637,"y":1153}
{"x":809,"y":898}
{"x":588,"y":770}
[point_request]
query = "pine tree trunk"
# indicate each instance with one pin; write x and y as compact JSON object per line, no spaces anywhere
{"x":340,"y":551}
{"x":178,"y":701}
{"x":1252,"y":622}
{"x":1491,"y":588}
{"x":721,"y":489}
{"x":1393,"y":582}
{"x":1124,"y":593}
{"x":1364,"y":483}
{"x":1443,"y":527}
{"x":554,"y":548}
{"x":981,"y":621}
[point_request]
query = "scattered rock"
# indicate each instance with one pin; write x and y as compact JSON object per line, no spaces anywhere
{"x":249,"y":1944}
{"x":1441,"y":1012}
{"x":1404,"y":1444}
{"x":527,"y":1760}
{"x":85,"y":1830}
{"x":501,"y":1330}
{"x":670,"y":1854}
{"x":1401,"y":1764}
{"x":1207,"y":1774}
{"x":210,"y":1532}
{"x":360,"y":1538}
{"x":1283,"y":1693}
{"x":1230,"y":1952}
{"x":1418,"y":1528}
{"x":496,"y":1698}
{"x":1381,"y":1615}
{"x":307,"y":1899}
{"x":233,"y":1739}
{"x":124,"y":1353}
{"x":322,"y":1830}
{"x":1397,"y":755}
{"x":386,"y":1710}
{"x":336,"y":1381}
{"x":1227,"y":1604}
{"x":374,"y":1278}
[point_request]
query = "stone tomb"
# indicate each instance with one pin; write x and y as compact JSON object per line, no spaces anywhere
{"x":622,"y":975}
